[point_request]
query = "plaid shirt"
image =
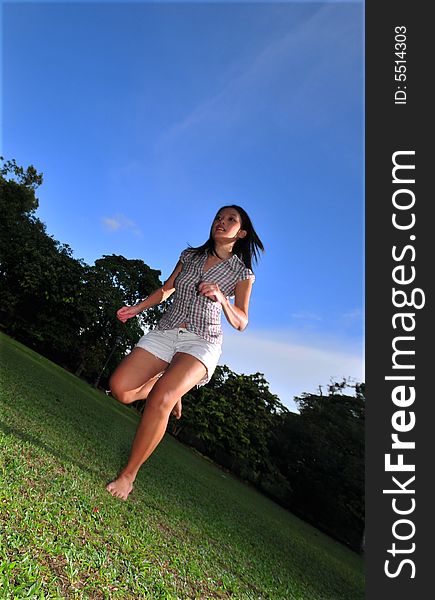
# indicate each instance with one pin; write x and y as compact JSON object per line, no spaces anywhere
{"x":201,"y":314}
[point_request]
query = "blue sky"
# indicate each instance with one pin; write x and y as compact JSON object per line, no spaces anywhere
{"x":145,"y":118}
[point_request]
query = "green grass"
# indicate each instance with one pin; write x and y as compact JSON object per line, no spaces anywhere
{"x":189,"y":530}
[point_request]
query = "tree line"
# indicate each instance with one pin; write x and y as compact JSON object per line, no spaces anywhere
{"x":311,"y":463}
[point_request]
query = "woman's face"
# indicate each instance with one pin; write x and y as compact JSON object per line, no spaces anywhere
{"x":227,"y":225}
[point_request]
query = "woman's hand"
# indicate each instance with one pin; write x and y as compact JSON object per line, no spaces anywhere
{"x":212,"y":291}
{"x":127,"y":312}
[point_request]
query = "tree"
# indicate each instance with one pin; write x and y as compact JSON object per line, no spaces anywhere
{"x":330,"y":462}
{"x":230,"y":419}
{"x":112,"y":282}
{"x":59,"y":305}
{"x":40,"y":279}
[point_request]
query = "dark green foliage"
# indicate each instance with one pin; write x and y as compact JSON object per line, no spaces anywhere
{"x":321,"y":453}
{"x":55,"y":303}
{"x":39,"y":277}
{"x":112,"y":282}
{"x":311,"y":463}
{"x":231,"y":419}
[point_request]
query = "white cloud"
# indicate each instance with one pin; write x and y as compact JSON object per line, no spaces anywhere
{"x":305,"y":315}
{"x":111,"y":224}
{"x":120,"y":222}
{"x":291,"y":364}
{"x":352,"y":316}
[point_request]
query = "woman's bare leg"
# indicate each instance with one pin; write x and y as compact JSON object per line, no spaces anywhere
{"x":135,"y":376}
{"x":135,"y":367}
{"x":183,"y":373}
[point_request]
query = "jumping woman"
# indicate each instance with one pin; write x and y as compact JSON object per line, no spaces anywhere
{"x":184,"y":349}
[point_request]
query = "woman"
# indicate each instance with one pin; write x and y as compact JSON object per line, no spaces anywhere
{"x":184,"y":349}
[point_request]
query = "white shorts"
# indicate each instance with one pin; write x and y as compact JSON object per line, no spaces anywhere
{"x":164,"y":344}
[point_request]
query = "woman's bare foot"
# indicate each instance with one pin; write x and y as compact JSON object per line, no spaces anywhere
{"x":176,"y":411}
{"x":120,"y":487}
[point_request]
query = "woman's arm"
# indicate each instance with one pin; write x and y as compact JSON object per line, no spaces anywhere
{"x":237,"y":313}
{"x":156,"y":297}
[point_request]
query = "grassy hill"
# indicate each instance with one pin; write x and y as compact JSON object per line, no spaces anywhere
{"x":189,"y":530}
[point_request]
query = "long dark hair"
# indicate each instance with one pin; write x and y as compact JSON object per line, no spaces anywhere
{"x":247,"y":248}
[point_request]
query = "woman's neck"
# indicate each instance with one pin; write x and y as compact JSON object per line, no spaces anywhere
{"x":223,"y":251}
